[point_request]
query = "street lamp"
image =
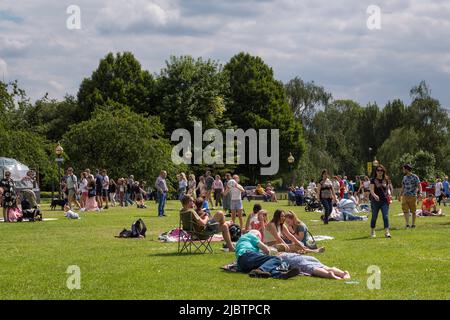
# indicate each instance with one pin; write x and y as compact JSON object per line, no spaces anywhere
{"x":59,"y":160}
{"x":290,"y":161}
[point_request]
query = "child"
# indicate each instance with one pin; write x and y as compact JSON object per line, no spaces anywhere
{"x":69,"y":213}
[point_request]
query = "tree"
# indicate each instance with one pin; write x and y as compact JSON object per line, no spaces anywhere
{"x":256,"y":100}
{"x":305,"y":99}
{"x":119,"y":78}
{"x":122,"y":142}
{"x":189,"y":90}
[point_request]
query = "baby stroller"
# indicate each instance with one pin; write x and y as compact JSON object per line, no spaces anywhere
{"x":312,"y":204}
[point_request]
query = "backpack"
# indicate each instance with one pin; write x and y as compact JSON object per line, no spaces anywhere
{"x":138,"y":230}
{"x":235,"y":232}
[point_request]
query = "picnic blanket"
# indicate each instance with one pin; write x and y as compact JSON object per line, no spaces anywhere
{"x":27,"y":220}
{"x":174,"y":234}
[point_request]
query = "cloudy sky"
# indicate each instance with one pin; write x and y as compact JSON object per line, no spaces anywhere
{"x":325,"y":41}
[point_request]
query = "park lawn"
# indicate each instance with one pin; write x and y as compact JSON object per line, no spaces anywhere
{"x":34,"y":257}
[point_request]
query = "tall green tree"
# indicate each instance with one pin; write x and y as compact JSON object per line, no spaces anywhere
{"x":256,"y":100}
{"x":118,"y":78}
{"x":121,"y":141}
{"x":189,"y":90}
{"x":305,"y":99}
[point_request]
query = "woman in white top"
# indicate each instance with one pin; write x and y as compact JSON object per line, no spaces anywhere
{"x":182,"y":185}
{"x":235,"y":189}
{"x":83,"y":189}
{"x":438,"y":188}
{"x":192,"y":185}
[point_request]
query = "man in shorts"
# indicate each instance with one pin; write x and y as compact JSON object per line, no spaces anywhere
{"x":204,"y":221}
{"x":236,"y":190}
{"x":72,"y":187}
{"x":409,"y":194}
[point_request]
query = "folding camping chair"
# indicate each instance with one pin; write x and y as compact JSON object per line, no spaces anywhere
{"x":189,"y":236}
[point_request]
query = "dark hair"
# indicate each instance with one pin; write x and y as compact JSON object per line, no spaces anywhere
{"x":277,"y":217}
{"x":199,"y":202}
{"x":257,"y":207}
{"x":407,"y":167}
{"x":385,"y":176}
{"x":185,"y":200}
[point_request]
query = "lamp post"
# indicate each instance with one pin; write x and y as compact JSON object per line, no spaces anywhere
{"x":59,"y":160}
{"x":290,"y":161}
{"x":369,"y":164}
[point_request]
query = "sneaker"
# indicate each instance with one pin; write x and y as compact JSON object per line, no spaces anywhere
{"x":413,"y":226}
{"x":290,"y":273}
{"x":407,"y":226}
{"x":387,"y":235}
{"x":106,"y":207}
{"x":82,"y":210}
{"x":258,"y":273}
{"x":372,"y":234}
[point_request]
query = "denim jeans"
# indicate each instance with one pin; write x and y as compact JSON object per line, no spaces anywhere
{"x":328,"y":207}
{"x":376,"y":207}
{"x":161,"y":202}
{"x":128,"y":199}
{"x":255,"y":260}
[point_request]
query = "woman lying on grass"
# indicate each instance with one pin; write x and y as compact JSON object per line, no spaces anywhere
{"x":277,"y":229}
{"x":312,"y":266}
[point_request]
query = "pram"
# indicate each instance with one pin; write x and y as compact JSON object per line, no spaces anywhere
{"x":312,"y":204}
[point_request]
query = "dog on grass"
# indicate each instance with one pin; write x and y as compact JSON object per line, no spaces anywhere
{"x":57,"y":202}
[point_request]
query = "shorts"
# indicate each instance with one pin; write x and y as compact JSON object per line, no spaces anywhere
{"x":71,"y":194}
{"x":409,"y":203}
{"x":212,"y":226}
{"x":236,"y":205}
{"x":105,"y":193}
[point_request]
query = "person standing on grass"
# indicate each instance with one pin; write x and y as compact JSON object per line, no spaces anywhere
{"x":112,"y":192}
{"x":9,"y":196}
{"x":182,"y":185}
{"x":410,"y":193}
{"x":235,"y":189}
{"x":192,"y":186}
{"x":438,"y":190}
{"x":379,"y":199}
{"x":83,"y":190}
{"x":105,"y":188}
{"x":218,"y":190}
{"x":446,"y":187}
{"x":99,"y":188}
{"x":72,"y":188}
{"x":209,"y":180}
{"x":326,"y":195}
{"x":226,"y":195}
{"x":161,"y":188}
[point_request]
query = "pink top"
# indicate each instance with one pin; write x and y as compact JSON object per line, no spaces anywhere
{"x":217,"y":184}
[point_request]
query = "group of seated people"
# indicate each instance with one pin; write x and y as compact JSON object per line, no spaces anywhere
{"x":283,"y":238}
{"x":268,"y":193}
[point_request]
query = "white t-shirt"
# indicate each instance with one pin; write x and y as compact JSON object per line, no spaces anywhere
{"x":105,"y":183}
{"x":311,"y":186}
{"x":83,"y":185}
{"x":235,"y":192}
{"x":438,"y":189}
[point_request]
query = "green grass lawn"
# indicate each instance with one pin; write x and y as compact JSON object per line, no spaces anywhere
{"x":34,"y":257}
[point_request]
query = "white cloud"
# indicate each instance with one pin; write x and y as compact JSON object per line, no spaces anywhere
{"x":3,"y":69}
{"x":316,"y":39}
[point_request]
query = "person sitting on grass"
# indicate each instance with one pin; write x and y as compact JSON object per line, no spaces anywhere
{"x":201,"y":205}
{"x":291,"y":197}
{"x":203,"y":220}
{"x":429,"y":207}
{"x":298,"y":229}
{"x":257,"y":220}
{"x":313,"y":267}
{"x":270,"y":191}
{"x":259,"y":264}
{"x":277,"y":229}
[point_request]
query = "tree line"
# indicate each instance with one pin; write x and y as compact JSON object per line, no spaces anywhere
{"x":122,"y":118}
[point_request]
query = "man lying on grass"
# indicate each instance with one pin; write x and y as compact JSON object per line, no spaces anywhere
{"x":202,"y":221}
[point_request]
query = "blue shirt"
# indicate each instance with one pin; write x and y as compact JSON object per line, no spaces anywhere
{"x":247,"y":242}
{"x":446,"y":184}
{"x":410,"y":185}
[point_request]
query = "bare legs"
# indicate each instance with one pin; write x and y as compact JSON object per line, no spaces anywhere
{"x":224,"y":228}
{"x":331,"y":273}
